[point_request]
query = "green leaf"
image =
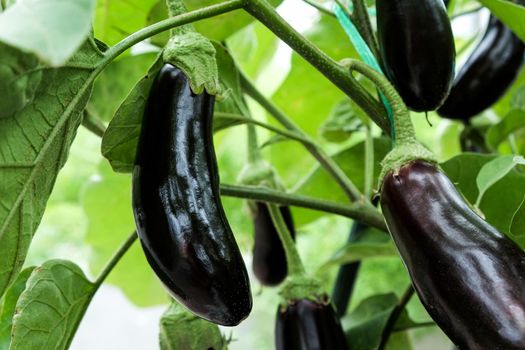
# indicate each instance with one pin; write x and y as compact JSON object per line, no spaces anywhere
{"x":52,"y":30}
{"x":307,"y":96}
{"x":50,"y":309}
{"x":513,"y":121}
{"x":362,"y":250}
{"x":180,"y":329}
{"x":494,"y":171}
{"x":500,"y":201}
{"x":517,"y":226}
{"x":342,"y":122}
{"x":34,"y":145}
{"x":157,"y":13}
{"x":364,"y":326}
{"x":221,"y":27}
{"x":115,"y":82}
{"x":253,"y":48}
{"x":318,"y":183}
{"x":8,"y":305}
{"x":107,"y":204}
{"x":509,"y":13}
{"x":20,"y":75}
{"x":115,"y":20}
{"x":120,"y":140}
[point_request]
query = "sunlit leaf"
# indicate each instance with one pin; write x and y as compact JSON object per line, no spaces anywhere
{"x":49,"y":310}
{"x":34,"y":145}
{"x":52,"y":30}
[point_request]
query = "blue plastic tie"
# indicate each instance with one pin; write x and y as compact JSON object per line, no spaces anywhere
{"x":366,"y":55}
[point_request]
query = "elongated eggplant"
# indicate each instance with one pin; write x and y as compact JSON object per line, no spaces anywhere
{"x":269,"y":258}
{"x":178,"y":213}
{"x":469,"y":276}
{"x":309,"y":325}
{"x":487,"y":74}
{"x":417,"y":49}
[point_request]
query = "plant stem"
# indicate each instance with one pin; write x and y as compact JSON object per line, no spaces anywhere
{"x":288,"y":134}
{"x":93,"y":124}
{"x":362,"y":212}
{"x":403,"y":130}
{"x":114,"y":260}
{"x":293,"y":260}
{"x":156,"y":28}
{"x":394,"y":316}
{"x":369,"y":162}
{"x":326,"y":162}
{"x":362,"y":21}
{"x":319,"y":7}
{"x":266,"y":14}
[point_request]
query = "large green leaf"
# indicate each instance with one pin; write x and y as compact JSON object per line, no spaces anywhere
{"x":494,"y":171}
{"x":53,"y":29}
{"x":307,"y":96}
{"x":221,"y":27}
{"x":501,"y":201}
{"x":115,"y":20}
{"x":107,"y":203}
{"x":8,"y":306}
{"x":517,"y":226}
{"x":115,"y":82}
{"x":513,"y":121}
{"x":180,"y":329}
{"x":50,"y":309}
{"x":364,"y":326}
{"x":34,"y":145}
{"x":253,"y":47}
{"x":509,"y":13}
{"x":318,"y":183}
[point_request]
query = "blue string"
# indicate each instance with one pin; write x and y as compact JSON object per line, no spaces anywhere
{"x":366,"y":55}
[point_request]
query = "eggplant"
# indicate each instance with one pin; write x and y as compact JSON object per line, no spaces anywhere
{"x":178,"y":213}
{"x":489,"y":71}
{"x":417,"y":50}
{"x":469,"y":276}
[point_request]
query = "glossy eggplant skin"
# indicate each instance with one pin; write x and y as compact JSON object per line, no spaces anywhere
{"x":309,"y":325}
{"x":469,"y":276}
{"x":487,"y":74}
{"x":269,"y":259}
{"x":417,"y":49}
{"x":178,"y":213}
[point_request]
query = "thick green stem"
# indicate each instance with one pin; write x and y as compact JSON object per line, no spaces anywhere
{"x":362,"y":212}
{"x":295,"y":266}
{"x":115,"y":259}
{"x":404,"y":130}
{"x":266,"y":14}
{"x":369,"y":162}
{"x":288,"y":134}
{"x":394,"y":316}
{"x":326,"y":162}
{"x":406,"y":148}
{"x":362,"y":21}
{"x":93,"y":124}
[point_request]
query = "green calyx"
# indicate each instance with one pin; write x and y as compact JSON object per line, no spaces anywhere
{"x":402,"y":154}
{"x":301,"y":287}
{"x":194,"y":54}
